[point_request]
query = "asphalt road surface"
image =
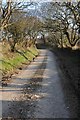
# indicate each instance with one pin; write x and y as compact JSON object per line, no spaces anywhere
{"x":39,"y":91}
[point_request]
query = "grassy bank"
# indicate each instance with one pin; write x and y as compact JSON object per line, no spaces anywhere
{"x":12,"y":61}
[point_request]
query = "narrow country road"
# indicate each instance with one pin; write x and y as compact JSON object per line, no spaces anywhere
{"x":39,"y":91}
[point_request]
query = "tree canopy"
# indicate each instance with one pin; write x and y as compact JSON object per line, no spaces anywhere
{"x":59,"y":20}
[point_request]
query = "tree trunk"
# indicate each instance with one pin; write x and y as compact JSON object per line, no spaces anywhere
{"x":71,"y":44}
{"x":12,"y":48}
{"x":43,"y":38}
{"x":61,"y":40}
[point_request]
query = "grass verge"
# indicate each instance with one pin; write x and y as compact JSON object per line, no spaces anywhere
{"x":11,"y":62}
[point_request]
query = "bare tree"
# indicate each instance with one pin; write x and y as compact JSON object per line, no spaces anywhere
{"x":11,"y":20}
{"x":73,"y":22}
{"x":8,"y":9}
{"x":64,"y":18}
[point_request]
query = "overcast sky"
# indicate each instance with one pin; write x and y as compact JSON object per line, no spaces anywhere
{"x":40,"y":0}
{"x":29,"y":0}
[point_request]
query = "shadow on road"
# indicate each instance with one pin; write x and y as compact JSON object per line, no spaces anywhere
{"x":24,"y":106}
